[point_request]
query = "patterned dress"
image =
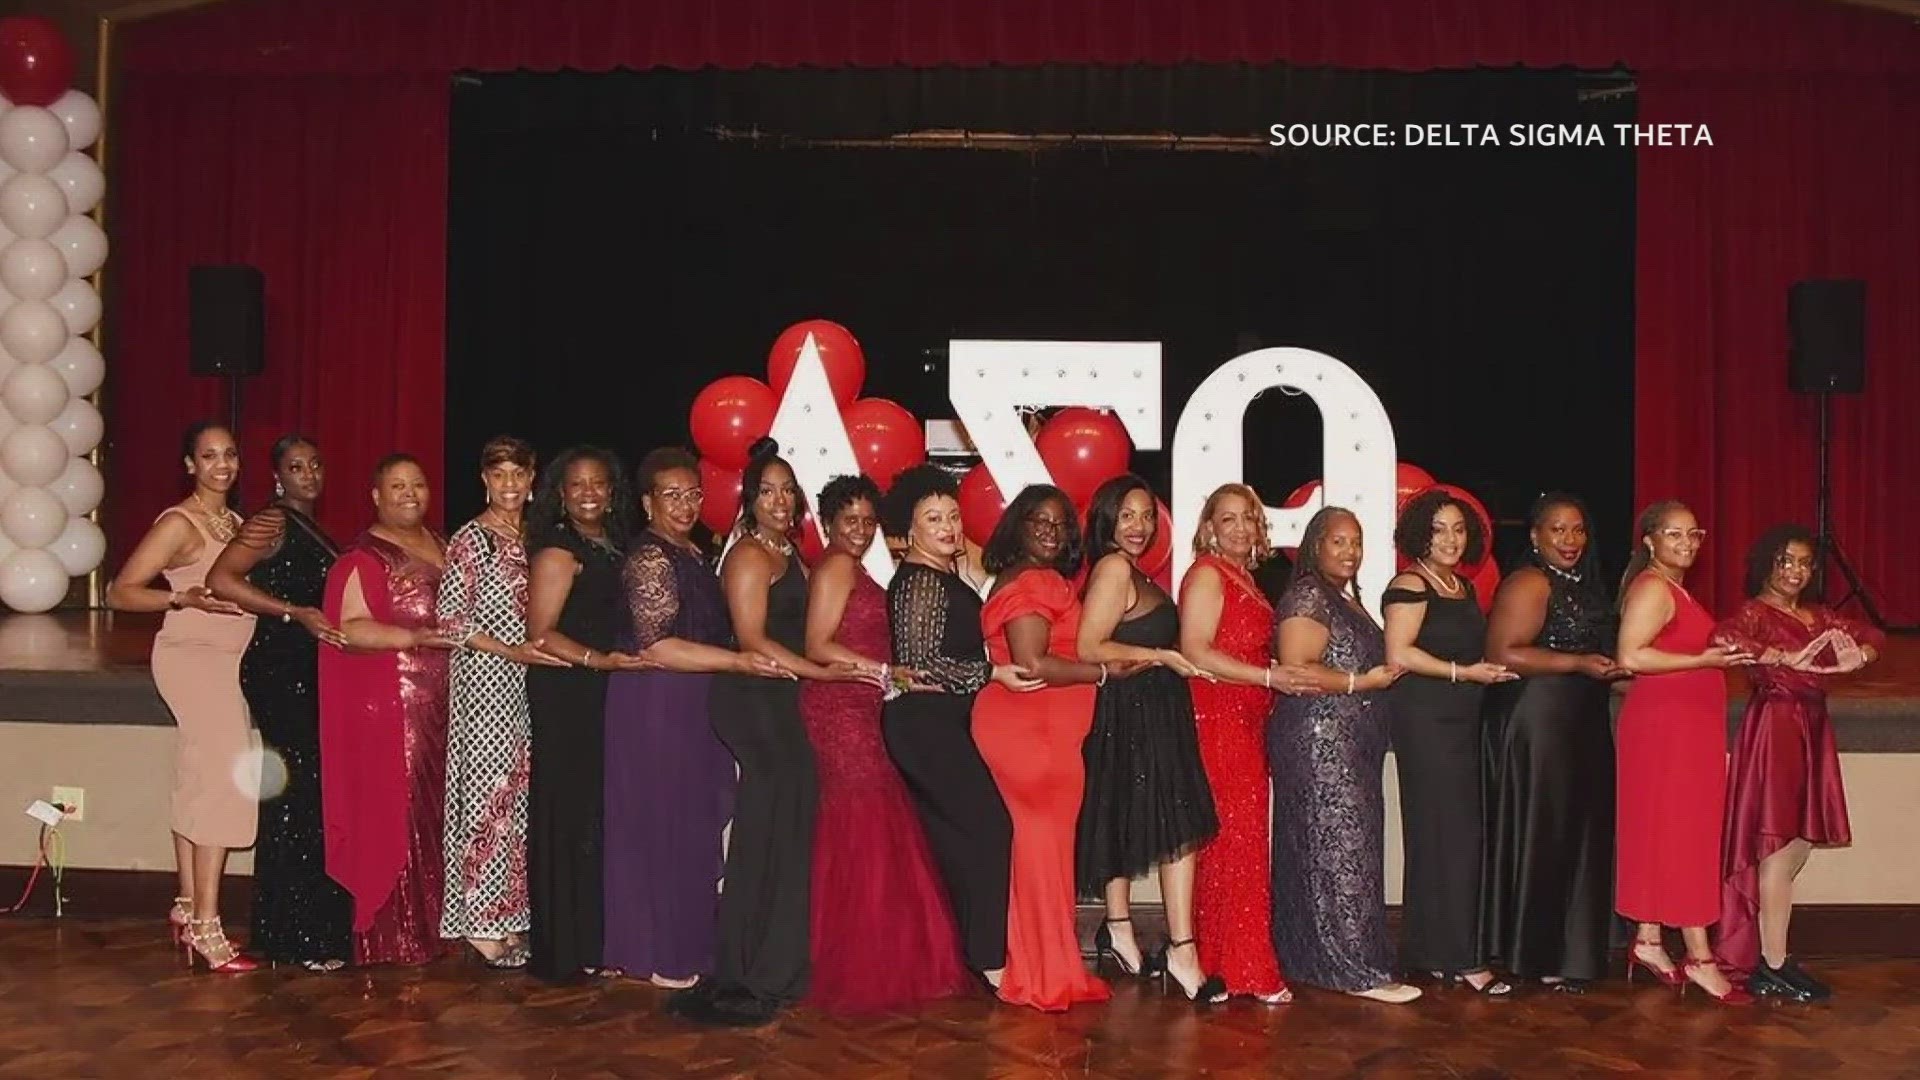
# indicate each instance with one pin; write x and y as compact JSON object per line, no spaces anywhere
{"x":485,"y":592}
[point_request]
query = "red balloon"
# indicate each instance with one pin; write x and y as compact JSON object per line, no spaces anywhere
{"x":729,"y":415}
{"x":886,"y":439}
{"x":721,"y":504}
{"x":1159,"y":553}
{"x":1486,"y":524}
{"x":36,"y":66}
{"x":1082,"y":449}
{"x":1409,"y":480}
{"x":1301,"y":495}
{"x":840,"y":355}
{"x":812,"y":546}
{"x":1485,"y":580}
{"x":981,"y":504}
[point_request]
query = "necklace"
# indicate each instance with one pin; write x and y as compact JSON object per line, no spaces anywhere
{"x":220,"y":524}
{"x":782,"y":548}
{"x":1446,"y":586}
{"x":1565,"y":575}
{"x":492,"y":520}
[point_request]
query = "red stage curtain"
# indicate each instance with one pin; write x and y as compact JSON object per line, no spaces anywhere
{"x":336,"y":190}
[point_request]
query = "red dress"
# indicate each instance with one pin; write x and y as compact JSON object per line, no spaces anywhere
{"x":1671,"y":781}
{"x":882,"y":934}
{"x":1233,"y":889}
{"x":1784,"y":780}
{"x":1031,"y":743}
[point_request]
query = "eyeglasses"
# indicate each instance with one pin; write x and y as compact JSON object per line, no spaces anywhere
{"x":1695,"y":535}
{"x":685,"y":497}
{"x":1788,"y":562}
{"x":1046,"y":526}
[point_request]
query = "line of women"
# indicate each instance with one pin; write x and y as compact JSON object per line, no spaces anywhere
{"x":569,"y":738}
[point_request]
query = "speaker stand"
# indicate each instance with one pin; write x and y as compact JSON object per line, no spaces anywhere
{"x":1826,"y":544}
{"x":233,"y":406}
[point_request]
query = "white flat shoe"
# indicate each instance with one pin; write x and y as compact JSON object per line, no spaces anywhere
{"x":1391,"y":993}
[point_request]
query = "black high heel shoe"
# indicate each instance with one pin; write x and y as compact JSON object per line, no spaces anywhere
{"x":1103,"y":945}
{"x":1212,"y":989}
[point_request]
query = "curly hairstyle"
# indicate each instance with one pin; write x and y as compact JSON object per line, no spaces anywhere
{"x":1413,"y":532}
{"x":909,"y":490}
{"x":1007,"y":545}
{"x":1588,"y":568}
{"x":1103,"y":514}
{"x":1308,"y":563}
{"x":1262,"y":544}
{"x":1767,"y":550}
{"x":764,"y":455}
{"x":547,"y":512}
{"x":1643,"y":527}
{"x":843,"y":491}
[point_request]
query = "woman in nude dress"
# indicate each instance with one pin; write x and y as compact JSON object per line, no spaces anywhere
{"x":196,"y":667}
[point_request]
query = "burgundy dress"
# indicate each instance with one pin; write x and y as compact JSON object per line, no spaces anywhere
{"x":883,"y":936}
{"x":1784,"y":782}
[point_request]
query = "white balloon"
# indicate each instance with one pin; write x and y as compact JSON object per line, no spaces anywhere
{"x":82,"y":244}
{"x":33,"y":269}
{"x":78,"y":426}
{"x":80,"y":363}
{"x":34,"y":393}
{"x":32,"y":517}
{"x":32,"y":205}
{"x":7,"y":547}
{"x":8,"y":485}
{"x":32,"y":139}
{"x":80,"y":180}
{"x":80,"y":488}
{"x":32,"y":331}
{"x":79,"y":546}
{"x":81,"y":117}
{"x":32,"y":581}
{"x":79,"y":305}
{"x":33,"y":454}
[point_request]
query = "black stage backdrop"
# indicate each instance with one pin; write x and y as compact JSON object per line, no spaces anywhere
{"x":618,"y":241}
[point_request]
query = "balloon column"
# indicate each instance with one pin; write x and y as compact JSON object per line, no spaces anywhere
{"x":1410,"y":481}
{"x":1082,"y":448}
{"x":49,"y":247}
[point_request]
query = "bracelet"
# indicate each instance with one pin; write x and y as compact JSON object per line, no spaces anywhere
{"x":1269,"y":676}
{"x":1453,"y":671}
{"x":586,"y":659}
{"x":1349,"y":682}
{"x":174,"y":603}
{"x":1103,"y":676}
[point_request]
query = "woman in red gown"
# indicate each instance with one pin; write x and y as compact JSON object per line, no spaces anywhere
{"x":383,"y":725}
{"x":882,"y":935}
{"x":1031,"y":742}
{"x":1226,"y":629}
{"x":1786,"y":796}
{"x":1671,"y":778}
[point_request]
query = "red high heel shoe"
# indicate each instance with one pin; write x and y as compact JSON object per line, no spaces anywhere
{"x":178,"y":917}
{"x":208,"y":941}
{"x":1675,"y":977}
{"x":1735,"y":995}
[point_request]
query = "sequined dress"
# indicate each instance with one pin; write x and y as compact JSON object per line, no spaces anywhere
{"x":1326,"y":754}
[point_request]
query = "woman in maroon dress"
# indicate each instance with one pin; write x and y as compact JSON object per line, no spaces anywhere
{"x":383,"y":725}
{"x":883,"y":936}
{"x":1785,"y":796}
{"x":1671,"y":778}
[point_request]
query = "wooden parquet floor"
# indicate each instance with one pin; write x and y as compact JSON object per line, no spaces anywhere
{"x":108,"y":999}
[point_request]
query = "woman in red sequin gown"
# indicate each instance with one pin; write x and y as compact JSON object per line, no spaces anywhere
{"x":1226,"y":629}
{"x":1785,"y":794}
{"x":882,"y":935}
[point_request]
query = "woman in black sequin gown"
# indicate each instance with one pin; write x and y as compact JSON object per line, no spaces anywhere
{"x":277,"y":569}
{"x":1547,"y":892}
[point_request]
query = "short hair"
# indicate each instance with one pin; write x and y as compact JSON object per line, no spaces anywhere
{"x":843,"y":491}
{"x":663,"y":459}
{"x":1006,"y":546}
{"x":393,"y":461}
{"x":284,"y":445}
{"x":1103,"y":514}
{"x":1262,"y":543}
{"x":190,"y":439}
{"x":1588,"y":569}
{"x":505,"y":449}
{"x":909,"y":490}
{"x":1413,"y":532}
{"x":1768,"y":549}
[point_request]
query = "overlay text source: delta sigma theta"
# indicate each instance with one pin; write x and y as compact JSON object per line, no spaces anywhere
{"x":1471,"y":135}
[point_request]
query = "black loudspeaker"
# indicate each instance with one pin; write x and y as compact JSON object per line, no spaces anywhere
{"x":1828,"y":321}
{"x":226,"y":320}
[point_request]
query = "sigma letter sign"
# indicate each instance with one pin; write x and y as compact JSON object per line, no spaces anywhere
{"x":988,"y":382}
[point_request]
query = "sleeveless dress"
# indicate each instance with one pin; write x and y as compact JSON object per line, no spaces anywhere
{"x":1435,"y":724}
{"x":1147,"y":801}
{"x":1672,"y":787}
{"x":299,"y":913}
{"x":1233,"y":886}
{"x":196,"y":668}
{"x":882,"y":934}
{"x":1031,"y":742}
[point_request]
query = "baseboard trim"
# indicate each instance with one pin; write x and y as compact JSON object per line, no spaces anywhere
{"x":1819,"y":930}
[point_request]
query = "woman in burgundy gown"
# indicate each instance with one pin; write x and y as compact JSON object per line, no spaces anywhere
{"x":383,"y":725}
{"x":1786,"y":796}
{"x":1671,"y":774}
{"x":883,"y":935}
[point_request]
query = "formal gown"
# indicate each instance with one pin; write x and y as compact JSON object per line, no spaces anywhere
{"x":1233,"y":884}
{"x":1784,"y":780}
{"x":484,"y":591}
{"x":1435,"y":725}
{"x":196,"y":668}
{"x":1147,"y":800}
{"x":1672,"y":781}
{"x":299,"y":913}
{"x":935,"y":622}
{"x":1547,"y":891}
{"x":669,"y":781}
{"x":1327,"y":754}
{"x":1031,"y":743}
{"x":383,"y":730}
{"x":882,"y":934}
{"x":765,"y":906}
{"x":567,"y":707}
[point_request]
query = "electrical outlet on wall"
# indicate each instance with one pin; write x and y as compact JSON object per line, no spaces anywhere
{"x":73,"y":799}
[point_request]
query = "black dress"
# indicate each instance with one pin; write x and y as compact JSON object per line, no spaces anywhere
{"x":1547,"y":899}
{"x":1435,"y":725}
{"x":1147,"y":799}
{"x":299,"y":913}
{"x":936,"y":632}
{"x":567,"y":709}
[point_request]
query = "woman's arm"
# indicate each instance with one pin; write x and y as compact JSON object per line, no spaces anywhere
{"x":1649,"y":607}
{"x":259,"y":539}
{"x":1110,"y":592}
{"x":1406,"y":610}
{"x":1519,"y":611}
{"x":1303,"y":643}
{"x":549,"y":581}
{"x":828,"y":588}
{"x":1203,"y":597}
{"x":745,"y":577}
{"x":364,"y":633}
{"x":132,"y":588}
{"x":653,"y":603}
{"x":1027,"y":642}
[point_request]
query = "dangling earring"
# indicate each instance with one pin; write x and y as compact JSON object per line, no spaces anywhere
{"x":279,"y":490}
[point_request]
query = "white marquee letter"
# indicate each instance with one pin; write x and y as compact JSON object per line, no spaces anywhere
{"x":814,"y":441}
